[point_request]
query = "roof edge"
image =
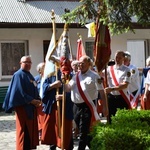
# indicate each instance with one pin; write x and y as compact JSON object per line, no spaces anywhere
{"x":58,"y":25}
{"x":37,"y":25}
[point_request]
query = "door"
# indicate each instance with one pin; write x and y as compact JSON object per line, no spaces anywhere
{"x":137,"y":49}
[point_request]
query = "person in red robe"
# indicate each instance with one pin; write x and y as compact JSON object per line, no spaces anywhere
{"x":40,"y":114}
{"x":22,"y":97}
{"x":50,"y":134}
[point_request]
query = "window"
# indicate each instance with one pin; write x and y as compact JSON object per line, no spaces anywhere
{"x":10,"y":54}
{"x":45,"y":48}
{"x":89,"y":49}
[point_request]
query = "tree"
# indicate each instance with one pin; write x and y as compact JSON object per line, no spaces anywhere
{"x":116,"y":14}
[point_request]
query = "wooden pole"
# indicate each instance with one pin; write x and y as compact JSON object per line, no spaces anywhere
{"x":64,"y":99}
{"x":56,"y":67}
{"x":70,"y":48}
{"x":63,"y":115}
{"x":106,"y":84}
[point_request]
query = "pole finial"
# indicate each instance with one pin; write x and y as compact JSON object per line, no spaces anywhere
{"x":53,"y":14}
{"x":79,"y":35}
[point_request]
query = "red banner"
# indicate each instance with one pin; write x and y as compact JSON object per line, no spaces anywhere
{"x":80,"y":49}
{"x":102,"y":49}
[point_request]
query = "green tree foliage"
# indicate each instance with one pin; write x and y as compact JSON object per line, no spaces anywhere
{"x":117,"y":14}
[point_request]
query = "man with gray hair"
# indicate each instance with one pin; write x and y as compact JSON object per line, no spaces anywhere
{"x":84,"y":87}
{"x":23,"y":98}
{"x":74,"y":66}
{"x":134,"y":86}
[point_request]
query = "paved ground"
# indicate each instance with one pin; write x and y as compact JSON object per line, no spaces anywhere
{"x":8,"y":133}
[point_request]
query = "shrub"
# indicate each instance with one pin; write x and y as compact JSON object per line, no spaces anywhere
{"x":129,"y":130}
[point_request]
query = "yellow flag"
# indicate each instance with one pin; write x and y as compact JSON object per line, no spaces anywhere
{"x":91,"y":29}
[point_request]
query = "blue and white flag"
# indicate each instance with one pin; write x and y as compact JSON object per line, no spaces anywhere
{"x":49,"y":69}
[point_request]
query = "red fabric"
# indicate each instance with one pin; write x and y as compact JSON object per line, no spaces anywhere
{"x":145,"y":105}
{"x":80,"y":49}
{"x":40,"y":117}
{"x":65,"y":66}
{"x":100,"y":106}
{"x":50,"y":130}
{"x":135,"y":103}
{"x":102,"y":49}
{"x":22,"y":121}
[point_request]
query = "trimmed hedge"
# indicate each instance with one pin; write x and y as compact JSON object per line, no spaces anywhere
{"x":129,"y":130}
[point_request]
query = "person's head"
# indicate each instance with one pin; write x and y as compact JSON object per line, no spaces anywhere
{"x":40,"y":68}
{"x":111,"y":62}
{"x":84,"y":63}
{"x":74,"y":65}
{"x":148,"y":61}
{"x":127,"y":58}
{"x":119,"y":57}
{"x":25,"y":63}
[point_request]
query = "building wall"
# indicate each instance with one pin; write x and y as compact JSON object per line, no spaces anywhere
{"x":120,"y":41}
{"x":36,"y":37}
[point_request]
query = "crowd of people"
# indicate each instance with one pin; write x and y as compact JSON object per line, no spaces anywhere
{"x":38,"y":116}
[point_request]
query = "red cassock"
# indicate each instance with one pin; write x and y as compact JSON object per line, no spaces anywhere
{"x":50,"y":127}
{"x":26,"y":128}
{"x":40,"y":115}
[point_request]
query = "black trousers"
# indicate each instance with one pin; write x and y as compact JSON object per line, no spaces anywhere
{"x":134,"y":93}
{"x":115,"y":102}
{"x":82,"y":118}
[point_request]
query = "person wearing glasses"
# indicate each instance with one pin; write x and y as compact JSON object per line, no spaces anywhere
{"x":84,"y":88}
{"x":23,"y":98}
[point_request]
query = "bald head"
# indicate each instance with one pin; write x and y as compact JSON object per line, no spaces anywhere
{"x":84,"y":64}
{"x":86,"y":58}
{"x":26,"y":63}
{"x":23,"y":58}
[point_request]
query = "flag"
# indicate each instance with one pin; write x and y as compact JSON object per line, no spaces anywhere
{"x":102,"y":49}
{"x":49,"y":68}
{"x":65,"y":68}
{"x":62,"y":52}
{"x":80,"y":49}
{"x":65,"y":52}
{"x":91,"y":29}
{"x":49,"y":64}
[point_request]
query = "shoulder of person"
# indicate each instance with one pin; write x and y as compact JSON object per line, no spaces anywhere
{"x":94,"y":73}
{"x":37,"y":77}
{"x":124,"y":67}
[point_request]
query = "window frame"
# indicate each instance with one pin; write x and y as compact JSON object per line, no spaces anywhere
{"x":86,"y":49}
{"x":8,"y":77}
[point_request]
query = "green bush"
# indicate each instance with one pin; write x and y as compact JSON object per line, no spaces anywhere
{"x":129,"y":130}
